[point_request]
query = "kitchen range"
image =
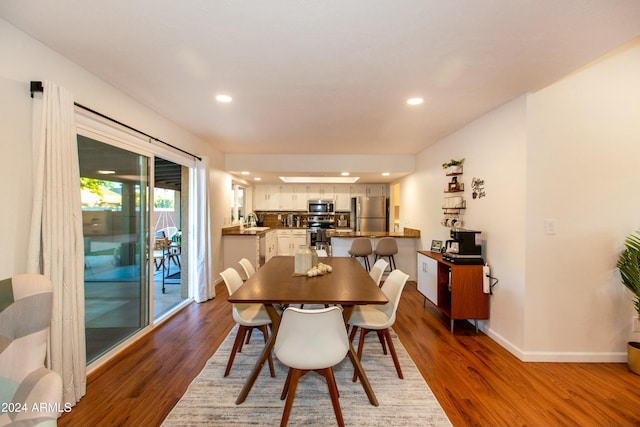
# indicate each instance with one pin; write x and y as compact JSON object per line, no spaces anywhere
{"x":320,"y":219}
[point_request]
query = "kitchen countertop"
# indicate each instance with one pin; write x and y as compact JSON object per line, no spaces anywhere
{"x":235,"y":231}
{"x":350,"y":234}
{"x":346,"y":233}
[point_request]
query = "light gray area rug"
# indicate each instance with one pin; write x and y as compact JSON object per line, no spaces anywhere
{"x":210,"y":399}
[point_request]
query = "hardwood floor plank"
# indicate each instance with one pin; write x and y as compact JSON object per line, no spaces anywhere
{"x":476,"y":381}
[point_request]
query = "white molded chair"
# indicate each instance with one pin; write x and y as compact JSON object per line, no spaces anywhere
{"x":248,"y":268}
{"x":378,"y":270}
{"x":248,"y":317}
{"x":311,"y":340}
{"x":380,"y":318}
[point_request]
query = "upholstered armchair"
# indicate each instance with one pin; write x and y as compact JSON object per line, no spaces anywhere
{"x":30,"y":394}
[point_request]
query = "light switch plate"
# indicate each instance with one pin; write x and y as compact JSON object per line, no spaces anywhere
{"x":550,"y":226}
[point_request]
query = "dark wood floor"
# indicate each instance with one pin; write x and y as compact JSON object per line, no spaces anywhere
{"x":475,"y":380}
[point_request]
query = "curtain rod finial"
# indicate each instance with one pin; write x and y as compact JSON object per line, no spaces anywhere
{"x":36,"y":87}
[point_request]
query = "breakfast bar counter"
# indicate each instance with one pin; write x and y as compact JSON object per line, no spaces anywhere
{"x":408,"y":242}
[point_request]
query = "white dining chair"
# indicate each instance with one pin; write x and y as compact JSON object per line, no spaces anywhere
{"x":248,"y":268}
{"x":380,"y":318}
{"x":247,"y":316}
{"x":311,"y":340}
{"x":377,"y":270}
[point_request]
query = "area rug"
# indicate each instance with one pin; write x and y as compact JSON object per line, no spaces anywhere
{"x":210,"y":399}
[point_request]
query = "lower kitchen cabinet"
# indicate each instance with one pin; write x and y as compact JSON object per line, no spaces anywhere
{"x":455,"y":289}
{"x":290,"y":240}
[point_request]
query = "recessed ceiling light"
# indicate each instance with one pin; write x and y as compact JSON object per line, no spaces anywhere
{"x":385,"y":174}
{"x":415,"y":101}
{"x":257,"y":178}
{"x":223,"y":98}
{"x":345,"y":174}
{"x":106,"y":172}
{"x":244,"y":173}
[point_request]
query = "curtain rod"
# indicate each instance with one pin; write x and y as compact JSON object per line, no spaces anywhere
{"x":36,"y":86}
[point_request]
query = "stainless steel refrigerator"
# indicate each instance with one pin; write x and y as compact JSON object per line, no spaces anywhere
{"x":370,"y":213}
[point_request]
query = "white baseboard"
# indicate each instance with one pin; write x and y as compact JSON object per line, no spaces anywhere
{"x":562,"y":357}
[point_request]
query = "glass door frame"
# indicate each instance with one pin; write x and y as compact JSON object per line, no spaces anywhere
{"x":103,"y":131}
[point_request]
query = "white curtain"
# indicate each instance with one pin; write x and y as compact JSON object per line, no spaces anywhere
{"x":56,"y":246}
{"x":201,"y":283}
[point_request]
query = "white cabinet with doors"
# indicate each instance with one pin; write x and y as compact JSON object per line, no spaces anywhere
{"x":293,"y":197}
{"x":266,"y":197}
{"x":342,"y":197}
{"x":290,"y":240}
{"x":271,"y":245}
{"x":428,"y":277}
{"x":319,"y":192}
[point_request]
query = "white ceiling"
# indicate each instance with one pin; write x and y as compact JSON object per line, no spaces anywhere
{"x":330,"y":76}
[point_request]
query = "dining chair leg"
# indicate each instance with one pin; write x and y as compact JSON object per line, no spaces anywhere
{"x":392,"y":349}
{"x":363,"y":332}
{"x":285,"y":388}
{"x":382,"y":342}
{"x":333,"y":393}
{"x":248,"y":336}
{"x":352,"y":334}
{"x":236,"y":344}
{"x":291,"y":393}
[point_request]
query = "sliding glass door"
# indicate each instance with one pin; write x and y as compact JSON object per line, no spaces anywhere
{"x":115,"y":214}
{"x":170,"y":218}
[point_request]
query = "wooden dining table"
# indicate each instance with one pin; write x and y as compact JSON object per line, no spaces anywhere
{"x":275,"y":284}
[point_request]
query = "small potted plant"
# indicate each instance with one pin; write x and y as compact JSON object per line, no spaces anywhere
{"x":629,"y":266}
{"x":453,"y":166}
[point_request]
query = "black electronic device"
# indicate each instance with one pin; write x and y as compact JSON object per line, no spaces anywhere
{"x":463,"y":247}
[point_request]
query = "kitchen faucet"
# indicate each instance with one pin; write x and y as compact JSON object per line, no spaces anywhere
{"x":252,"y":219}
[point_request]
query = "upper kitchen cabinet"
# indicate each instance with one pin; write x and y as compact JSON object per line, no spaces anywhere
{"x":319,"y":192}
{"x":374,"y":190}
{"x":293,"y":198}
{"x":342,"y":197}
{"x":266,"y":197}
{"x":369,"y":190}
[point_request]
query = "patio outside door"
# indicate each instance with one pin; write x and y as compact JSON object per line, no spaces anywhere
{"x":115,"y":208}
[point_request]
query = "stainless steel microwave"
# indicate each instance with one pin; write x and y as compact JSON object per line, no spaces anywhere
{"x":316,"y":206}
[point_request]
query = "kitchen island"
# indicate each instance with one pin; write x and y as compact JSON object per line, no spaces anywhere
{"x":257,"y":244}
{"x":408,"y":241}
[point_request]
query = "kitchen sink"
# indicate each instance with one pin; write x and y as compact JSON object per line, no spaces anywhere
{"x":256,"y":228}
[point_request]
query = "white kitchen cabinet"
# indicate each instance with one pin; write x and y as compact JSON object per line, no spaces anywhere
{"x":271,"y":245}
{"x":293,"y":197}
{"x":373,"y":190}
{"x":428,"y":277}
{"x":319,"y":191}
{"x":290,"y":240}
{"x":342,"y":197}
{"x":266,"y":197}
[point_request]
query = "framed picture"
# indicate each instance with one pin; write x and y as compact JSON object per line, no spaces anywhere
{"x":436,"y":246}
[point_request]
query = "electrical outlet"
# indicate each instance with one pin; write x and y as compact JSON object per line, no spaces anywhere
{"x":636,"y":324}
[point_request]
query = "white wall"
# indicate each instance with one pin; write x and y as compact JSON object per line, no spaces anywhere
{"x":494,"y":150}
{"x":26,"y":59}
{"x":568,"y":153}
{"x":582,"y":170}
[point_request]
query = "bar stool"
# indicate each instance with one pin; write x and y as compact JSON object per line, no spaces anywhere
{"x":387,"y":246}
{"x":361,"y":247}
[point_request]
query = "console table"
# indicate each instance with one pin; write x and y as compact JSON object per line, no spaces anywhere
{"x":455,"y":289}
